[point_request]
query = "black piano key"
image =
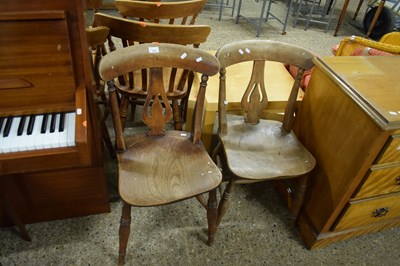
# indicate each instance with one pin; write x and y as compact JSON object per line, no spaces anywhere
{"x":53,"y":123}
{"x":21,"y":125}
{"x":8,"y":126}
{"x":44,"y":124}
{"x":1,"y":123}
{"x":31,"y":124}
{"x":62,"y":122}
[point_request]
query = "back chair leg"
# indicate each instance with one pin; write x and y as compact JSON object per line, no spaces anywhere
{"x":226,"y":199}
{"x":124,"y":231}
{"x":299,"y":198}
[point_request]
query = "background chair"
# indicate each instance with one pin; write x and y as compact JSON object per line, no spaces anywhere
{"x":171,"y":12}
{"x":130,"y":32}
{"x":160,"y":166}
{"x":355,"y":45}
{"x":252,"y":149}
{"x":96,"y":38}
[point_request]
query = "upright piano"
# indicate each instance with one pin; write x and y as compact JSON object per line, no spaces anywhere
{"x":51,"y":155}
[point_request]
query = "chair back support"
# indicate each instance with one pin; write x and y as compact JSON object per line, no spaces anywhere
{"x":182,"y":12}
{"x":147,"y":32}
{"x":255,"y":97}
{"x":155,"y":57}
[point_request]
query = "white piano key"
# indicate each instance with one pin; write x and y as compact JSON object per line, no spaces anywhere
{"x":11,"y":142}
{"x":47,"y":134}
{"x":63,"y":135}
{"x":31,"y":139}
{"x":54,"y":136}
{"x":70,"y":129}
{"x":39,"y":137}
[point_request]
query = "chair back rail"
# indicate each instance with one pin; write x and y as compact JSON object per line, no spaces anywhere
{"x":187,"y":11}
{"x":155,"y":57}
{"x":255,"y":98}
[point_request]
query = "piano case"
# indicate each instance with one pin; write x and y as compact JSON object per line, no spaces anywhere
{"x":45,"y":69}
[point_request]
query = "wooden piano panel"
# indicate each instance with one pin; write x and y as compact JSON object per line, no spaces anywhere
{"x":35,"y":50}
{"x":45,"y":67}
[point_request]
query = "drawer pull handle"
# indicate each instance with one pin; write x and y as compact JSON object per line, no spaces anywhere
{"x":398,"y":180}
{"x":380,"y":212}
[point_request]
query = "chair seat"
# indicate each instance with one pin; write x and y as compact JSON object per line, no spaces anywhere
{"x":264,"y":151}
{"x":148,"y":179}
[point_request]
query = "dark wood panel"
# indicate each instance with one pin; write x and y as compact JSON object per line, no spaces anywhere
{"x":59,"y":194}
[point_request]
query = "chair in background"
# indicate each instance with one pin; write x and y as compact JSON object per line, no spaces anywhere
{"x":251,"y":149}
{"x":160,"y":166}
{"x":355,"y":45}
{"x":264,"y":16}
{"x":222,"y":4}
{"x":313,"y":11}
{"x":96,"y":38}
{"x":171,"y":12}
{"x":132,"y":32}
{"x":391,"y":38}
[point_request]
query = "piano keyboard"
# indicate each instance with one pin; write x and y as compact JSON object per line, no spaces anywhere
{"x":37,"y":132}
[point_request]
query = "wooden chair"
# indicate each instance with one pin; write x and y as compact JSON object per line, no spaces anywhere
{"x":171,"y":12}
{"x":252,"y":149}
{"x":148,"y":32}
{"x":96,"y":37}
{"x":160,"y":167}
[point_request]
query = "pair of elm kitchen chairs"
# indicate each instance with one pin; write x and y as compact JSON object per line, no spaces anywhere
{"x":164,"y":166}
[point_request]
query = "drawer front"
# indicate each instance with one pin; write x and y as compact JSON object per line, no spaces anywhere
{"x":380,"y":181}
{"x":366,"y":212}
{"x":392,"y":152}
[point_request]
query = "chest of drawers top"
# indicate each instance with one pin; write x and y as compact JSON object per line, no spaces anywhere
{"x":373,"y":82}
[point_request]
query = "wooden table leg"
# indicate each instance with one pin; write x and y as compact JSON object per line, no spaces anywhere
{"x":341,"y":17}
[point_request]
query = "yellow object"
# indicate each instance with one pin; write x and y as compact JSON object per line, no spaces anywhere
{"x":389,"y":43}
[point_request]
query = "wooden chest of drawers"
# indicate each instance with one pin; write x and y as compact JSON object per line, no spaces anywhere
{"x":349,"y":120}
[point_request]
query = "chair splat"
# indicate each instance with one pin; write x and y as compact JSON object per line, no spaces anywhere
{"x":153,"y":114}
{"x":255,"y":98}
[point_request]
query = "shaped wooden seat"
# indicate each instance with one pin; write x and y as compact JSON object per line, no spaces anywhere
{"x":252,"y":149}
{"x":133,"y":32}
{"x":160,"y":167}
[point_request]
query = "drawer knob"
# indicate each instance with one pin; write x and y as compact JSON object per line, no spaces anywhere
{"x":380,"y":212}
{"x":398,"y":180}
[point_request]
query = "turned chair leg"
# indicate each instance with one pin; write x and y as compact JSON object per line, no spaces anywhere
{"x":212,"y":213}
{"x":226,"y":199}
{"x":299,"y":198}
{"x":124,"y":231}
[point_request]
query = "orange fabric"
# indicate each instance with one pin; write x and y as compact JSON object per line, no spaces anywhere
{"x":293,"y":70}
